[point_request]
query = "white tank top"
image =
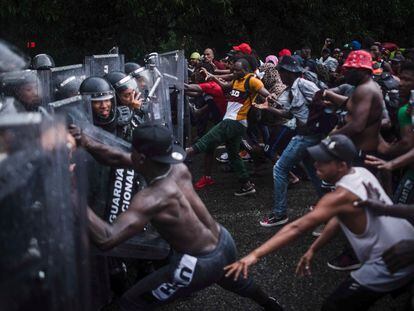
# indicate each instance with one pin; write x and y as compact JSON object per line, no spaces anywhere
{"x":380,"y":234}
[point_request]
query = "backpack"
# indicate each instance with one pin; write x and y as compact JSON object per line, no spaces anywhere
{"x":320,"y":121}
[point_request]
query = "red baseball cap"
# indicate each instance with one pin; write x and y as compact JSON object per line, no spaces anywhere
{"x":244,"y":48}
{"x":359,"y":59}
{"x":285,"y":52}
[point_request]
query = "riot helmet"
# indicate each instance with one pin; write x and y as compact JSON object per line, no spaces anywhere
{"x":103,"y":102}
{"x":42,"y":62}
{"x":125,"y":86}
{"x":23,"y":85}
{"x":131,"y":69}
{"x":121,"y":81}
{"x":69,"y":87}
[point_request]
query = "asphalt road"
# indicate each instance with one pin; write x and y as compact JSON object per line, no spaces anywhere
{"x":275,"y":273}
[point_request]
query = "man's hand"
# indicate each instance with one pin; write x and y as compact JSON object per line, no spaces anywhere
{"x":399,"y":256}
{"x":241,"y":266}
{"x":77,"y":134}
{"x":271,"y":98}
{"x":208,"y":75}
{"x":375,"y":206}
{"x":265,"y":105}
{"x":303,"y":267}
{"x":373,"y":202}
{"x":377,"y":162}
{"x":136,"y":102}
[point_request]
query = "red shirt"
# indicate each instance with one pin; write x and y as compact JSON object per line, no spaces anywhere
{"x":214,"y":89}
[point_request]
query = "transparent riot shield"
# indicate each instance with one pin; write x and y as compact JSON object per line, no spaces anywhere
{"x":65,"y":81}
{"x":26,"y":87}
{"x":118,"y":184}
{"x":173,"y":67}
{"x":187,"y":117}
{"x":100,"y":65}
{"x":43,"y":244}
{"x":76,"y":110}
{"x":157,"y":103}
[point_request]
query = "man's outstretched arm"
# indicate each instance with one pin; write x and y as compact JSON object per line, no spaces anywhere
{"x":106,"y":236}
{"x":104,"y":154}
{"x":324,"y":211}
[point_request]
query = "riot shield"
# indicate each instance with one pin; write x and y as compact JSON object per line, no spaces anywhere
{"x":173,"y":67}
{"x":65,"y":81}
{"x":157,"y":103}
{"x":25,"y":86}
{"x":43,"y":244}
{"x":75,"y":109}
{"x":123,"y":183}
{"x":100,"y":65}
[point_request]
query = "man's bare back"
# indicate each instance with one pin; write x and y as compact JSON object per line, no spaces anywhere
{"x":173,"y":208}
{"x":182,"y":219}
{"x":364,"y":116}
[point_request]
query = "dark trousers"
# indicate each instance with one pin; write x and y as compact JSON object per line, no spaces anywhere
{"x":350,"y":295}
{"x":187,"y":274}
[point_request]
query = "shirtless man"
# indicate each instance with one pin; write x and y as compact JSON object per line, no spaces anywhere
{"x":369,"y":234}
{"x":364,"y":106}
{"x":201,"y":246}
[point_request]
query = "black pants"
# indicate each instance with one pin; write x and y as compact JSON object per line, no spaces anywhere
{"x":186,"y":274}
{"x":350,"y":295}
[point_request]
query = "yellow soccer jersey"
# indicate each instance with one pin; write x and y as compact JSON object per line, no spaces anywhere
{"x":241,"y":99}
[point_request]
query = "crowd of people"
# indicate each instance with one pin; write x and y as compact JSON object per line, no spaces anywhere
{"x":342,"y":120}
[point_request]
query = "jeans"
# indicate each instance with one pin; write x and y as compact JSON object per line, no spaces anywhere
{"x":294,"y":153}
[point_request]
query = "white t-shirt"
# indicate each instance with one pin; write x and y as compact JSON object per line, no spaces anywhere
{"x":381,"y":233}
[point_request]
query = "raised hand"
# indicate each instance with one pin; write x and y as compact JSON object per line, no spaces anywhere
{"x":136,"y":102}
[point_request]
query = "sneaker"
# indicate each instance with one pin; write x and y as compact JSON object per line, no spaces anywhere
{"x":245,"y":156}
{"x":273,"y":221}
{"x":246,"y":189}
{"x":318,"y":231}
{"x":204,"y":181}
{"x":345,"y":261}
{"x":223,"y":158}
{"x":272,"y":304}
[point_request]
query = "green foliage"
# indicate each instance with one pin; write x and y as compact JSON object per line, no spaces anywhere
{"x":68,"y":30}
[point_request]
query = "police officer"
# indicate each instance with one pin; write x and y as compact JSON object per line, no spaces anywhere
{"x":119,"y":120}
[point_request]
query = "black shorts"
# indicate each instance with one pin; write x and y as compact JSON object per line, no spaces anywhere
{"x":186,"y":274}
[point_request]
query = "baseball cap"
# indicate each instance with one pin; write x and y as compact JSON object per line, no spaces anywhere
{"x":244,"y":48}
{"x":157,"y":142}
{"x":195,"y":55}
{"x":285,"y":52}
{"x":335,"y":147}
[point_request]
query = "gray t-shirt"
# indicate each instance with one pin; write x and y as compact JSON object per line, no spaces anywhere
{"x":297,"y":98}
